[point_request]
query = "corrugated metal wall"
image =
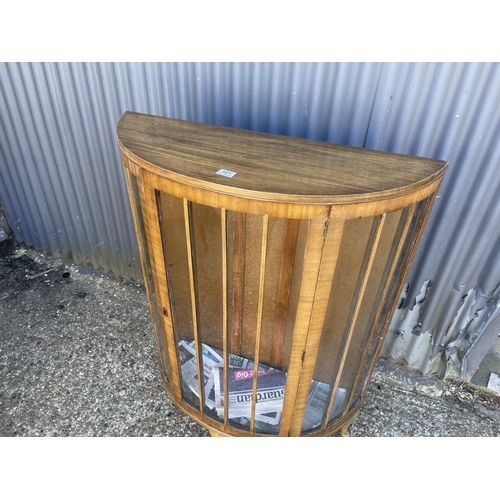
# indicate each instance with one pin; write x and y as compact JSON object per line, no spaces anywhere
{"x":62,"y":184}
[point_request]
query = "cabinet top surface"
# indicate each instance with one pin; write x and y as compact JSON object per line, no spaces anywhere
{"x":267,"y":164}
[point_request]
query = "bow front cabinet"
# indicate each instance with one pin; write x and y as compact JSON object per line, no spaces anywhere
{"x":273,"y":266}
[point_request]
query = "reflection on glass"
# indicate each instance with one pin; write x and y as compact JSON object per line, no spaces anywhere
{"x":202,"y":246}
{"x":234,"y":281}
{"x":362,"y":288}
{"x":405,"y":237}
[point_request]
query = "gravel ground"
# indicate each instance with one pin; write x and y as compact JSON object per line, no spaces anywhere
{"x":77,"y":358}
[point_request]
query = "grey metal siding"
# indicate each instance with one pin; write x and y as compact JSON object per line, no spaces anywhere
{"x":62,"y":184}
{"x":448,"y":111}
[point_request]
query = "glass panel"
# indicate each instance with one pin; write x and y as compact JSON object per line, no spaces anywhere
{"x":382,"y":321}
{"x":281,"y":278}
{"x":350,"y":262}
{"x":202,"y":246}
{"x":205,"y":229}
{"x":176,"y":264}
{"x":369,"y":309}
{"x":363,"y":285}
{"x":171,"y":211}
{"x":256,"y":302}
{"x":206,"y":241}
{"x":211,"y":255}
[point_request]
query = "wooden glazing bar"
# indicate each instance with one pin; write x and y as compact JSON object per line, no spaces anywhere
{"x":238,"y":277}
{"x":368,"y":259}
{"x":284,"y":288}
{"x":262,"y":272}
{"x":167,"y":310}
{"x":408,"y":259}
{"x":145,"y":260}
{"x":225,"y":346}
{"x":151,"y":214}
{"x":385,"y":282}
{"x":191,"y":252}
{"x":312,"y":262}
{"x":329,"y":260}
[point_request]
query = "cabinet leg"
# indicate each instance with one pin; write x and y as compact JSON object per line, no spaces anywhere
{"x":214,"y":433}
{"x":344,"y":430}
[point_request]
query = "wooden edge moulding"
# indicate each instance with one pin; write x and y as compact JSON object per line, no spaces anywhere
{"x":273,"y":266}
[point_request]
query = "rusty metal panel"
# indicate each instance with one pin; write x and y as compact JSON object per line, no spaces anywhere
{"x":62,"y":184}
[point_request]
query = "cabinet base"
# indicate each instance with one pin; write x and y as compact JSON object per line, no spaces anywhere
{"x":342,"y":431}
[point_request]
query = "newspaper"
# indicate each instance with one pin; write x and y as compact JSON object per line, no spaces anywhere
{"x":189,"y":368}
{"x":269,"y":397}
{"x":272,"y":418}
{"x":270,"y":389}
{"x":236,"y":361}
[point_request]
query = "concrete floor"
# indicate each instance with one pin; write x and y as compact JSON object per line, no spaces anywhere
{"x":489,"y":364}
{"x":78,"y":358}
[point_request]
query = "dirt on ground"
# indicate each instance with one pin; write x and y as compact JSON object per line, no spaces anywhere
{"x":78,"y":358}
